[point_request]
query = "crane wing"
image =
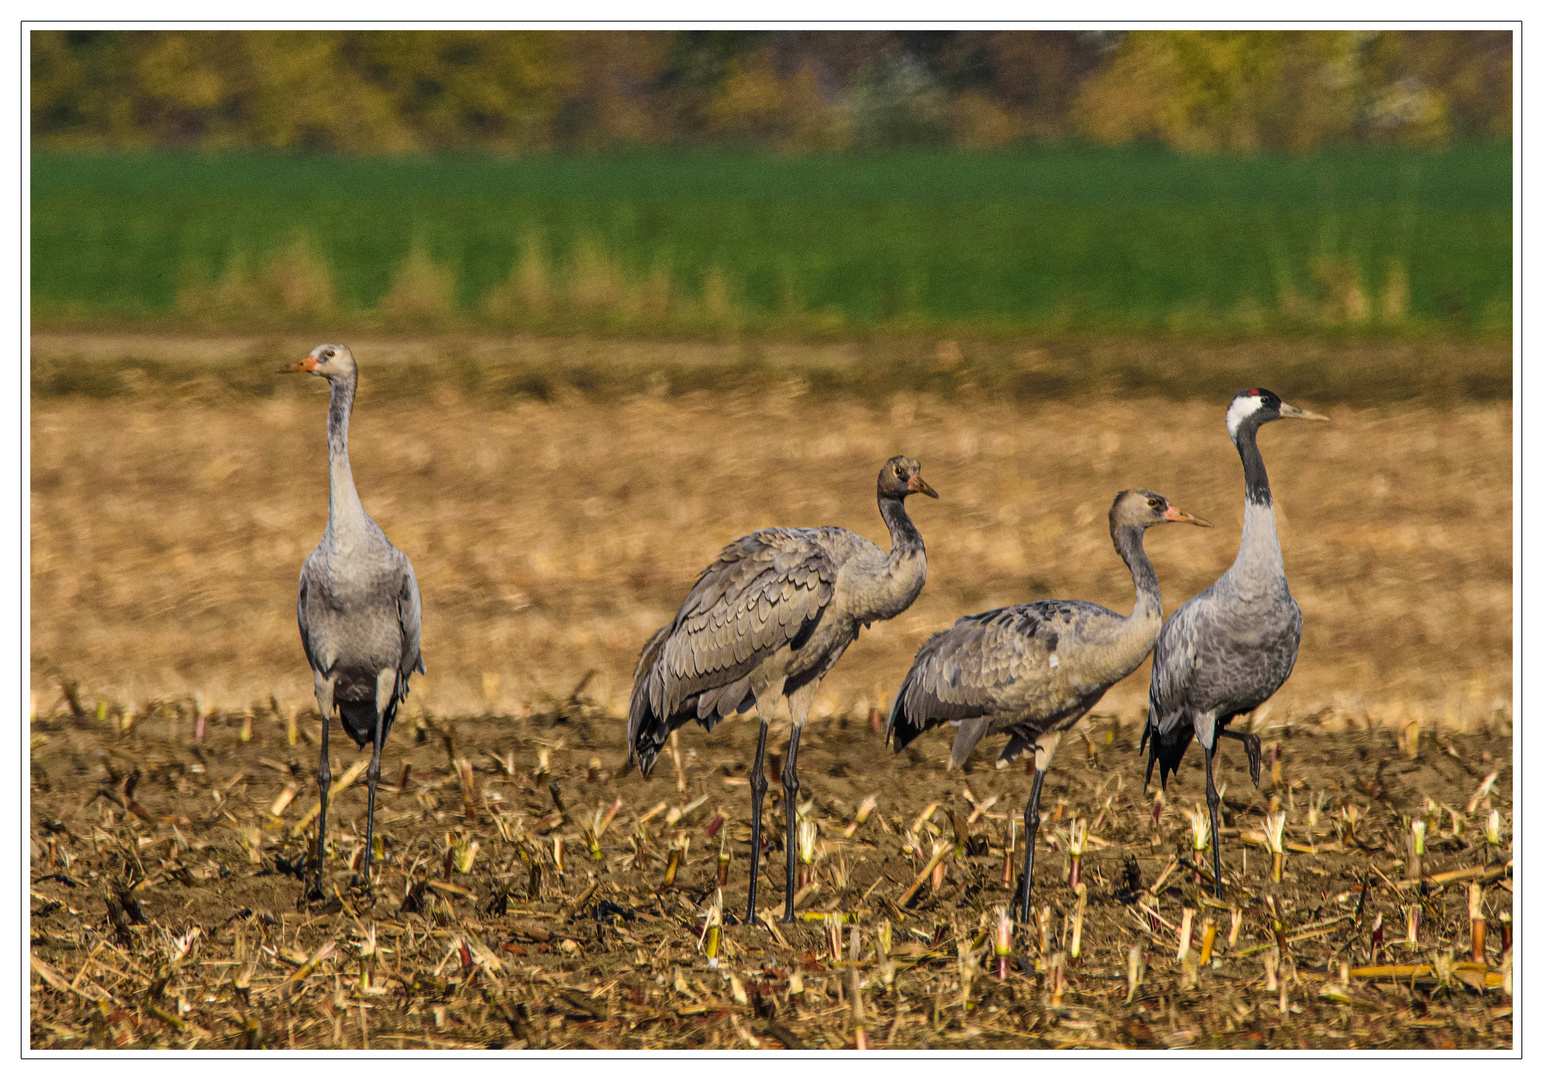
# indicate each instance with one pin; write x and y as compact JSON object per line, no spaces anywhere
{"x":993,"y":663}
{"x":409,"y":613}
{"x":303,"y":615}
{"x":762,"y":592}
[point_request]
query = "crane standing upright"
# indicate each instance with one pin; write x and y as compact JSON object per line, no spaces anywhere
{"x":359,"y":608}
{"x":1032,"y":671}
{"x":1227,"y":649}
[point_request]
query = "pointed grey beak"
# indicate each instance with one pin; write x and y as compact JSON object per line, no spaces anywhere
{"x":1293,"y":413}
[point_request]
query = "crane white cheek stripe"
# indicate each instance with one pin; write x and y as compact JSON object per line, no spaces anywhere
{"x":1241,"y":407}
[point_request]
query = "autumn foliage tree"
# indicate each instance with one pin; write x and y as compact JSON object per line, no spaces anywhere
{"x":523,"y":91}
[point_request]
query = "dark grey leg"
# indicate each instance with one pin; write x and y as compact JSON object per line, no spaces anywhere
{"x":1251,"y":748}
{"x":757,"y":796}
{"x":1030,"y":828}
{"x":1214,"y":801}
{"x":374,"y":777}
{"x":324,"y":782}
{"x":790,"y":810}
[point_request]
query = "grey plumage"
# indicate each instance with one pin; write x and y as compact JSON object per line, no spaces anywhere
{"x":769,"y":618}
{"x":359,"y":608}
{"x":1227,"y":649}
{"x":1031,"y":671}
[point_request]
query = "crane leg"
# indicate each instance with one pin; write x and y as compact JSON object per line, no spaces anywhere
{"x":757,"y":797}
{"x":385,"y":686}
{"x":1030,"y":827}
{"x":324,"y":782}
{"x":1214,"y":801}
{"x":790,"y":811}
{"x":1251,"y":748}
{"x":324,"y":686}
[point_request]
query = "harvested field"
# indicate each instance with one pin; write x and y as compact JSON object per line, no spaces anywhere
{"x":552,"y":533}
{"x":164,"y":912}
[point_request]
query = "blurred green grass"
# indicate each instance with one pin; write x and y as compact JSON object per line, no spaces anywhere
{"x":1366,"y":242}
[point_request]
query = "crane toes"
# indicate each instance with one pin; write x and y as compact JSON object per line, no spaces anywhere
{"x":1255,"y":757}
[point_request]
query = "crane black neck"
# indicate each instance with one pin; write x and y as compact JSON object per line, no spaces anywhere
{"x":904,"y":539}
{"x":1256,"y":483}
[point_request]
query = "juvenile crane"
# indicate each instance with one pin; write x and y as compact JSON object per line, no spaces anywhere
{"x":1227,"y":649}
{"x":359,"y":608}
{"x":1031,"y":671}
{"x":769,"y":618}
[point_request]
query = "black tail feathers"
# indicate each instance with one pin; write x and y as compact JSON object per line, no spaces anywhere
{"x":901,"y":728}
{"x":358,"y":719}
{"x":1166,"y":750}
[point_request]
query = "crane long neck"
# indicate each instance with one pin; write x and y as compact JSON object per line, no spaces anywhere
{"x":1149,"y":598}
{"x":1259,"y":550}
{"x":904,"y":540}
{"x":344,"y":510}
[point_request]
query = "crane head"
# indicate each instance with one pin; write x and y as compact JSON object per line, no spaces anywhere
{"x":328,"y":361}
{"x":1142,"y":509}
{"x":1260,"y":406}
{"x":902,"y":476}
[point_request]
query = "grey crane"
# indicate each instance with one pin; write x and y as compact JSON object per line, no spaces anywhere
{"x":359,"y":607}
{"x":769,"y":618}
{"x":1031,"y":671}
{"x":1227,"y":649}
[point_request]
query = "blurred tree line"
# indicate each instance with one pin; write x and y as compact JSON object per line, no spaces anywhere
{"x":394,"y":91}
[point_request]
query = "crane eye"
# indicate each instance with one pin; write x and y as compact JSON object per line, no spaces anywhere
{"x":330,"y":354}
{"x":1152,"y":503}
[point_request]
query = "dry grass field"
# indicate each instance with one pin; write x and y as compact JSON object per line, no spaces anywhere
{"x":551,"y":537}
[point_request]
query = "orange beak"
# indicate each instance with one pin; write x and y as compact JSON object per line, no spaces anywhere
{"x":920,"y":486}
{"x":308,"y":364}
{"x":1175,"y":514}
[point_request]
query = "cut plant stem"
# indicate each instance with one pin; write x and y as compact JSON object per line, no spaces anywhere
{"x":1075,"y":846}
{"x":939,"y":853}
{"x":807,"y":831}
{"x":1476,"y":920}
{"x":724,"y":856}
{"x":1186,"y":928}
{"x":1207,"y":941}
{"x":1232,"y":932}
{"x":1134,"y":969}
{"x":680,"y":762}
{"x":1200,"y":835}
{"x":1077,"y":916}
{"x":1004,"y":940}
{"x":1416,"y":849}
{"x":1275,"y":835}
{"x":1010,"y":852}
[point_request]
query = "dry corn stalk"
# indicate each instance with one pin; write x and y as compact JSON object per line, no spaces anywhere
{"x":1416,"y":849}
{"x":1476,"y":920}
{"x":1275,"y":839}
{"x":1135,"y":968}
{"x":1077,"y":916}
{"x":1076,"y":844}
{"x":1186,"y":928}
{"x":1207,"y":941}
{"x":1004,"y":940}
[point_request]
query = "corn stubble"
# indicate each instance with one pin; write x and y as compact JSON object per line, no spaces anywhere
{"x":543,"y":902}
